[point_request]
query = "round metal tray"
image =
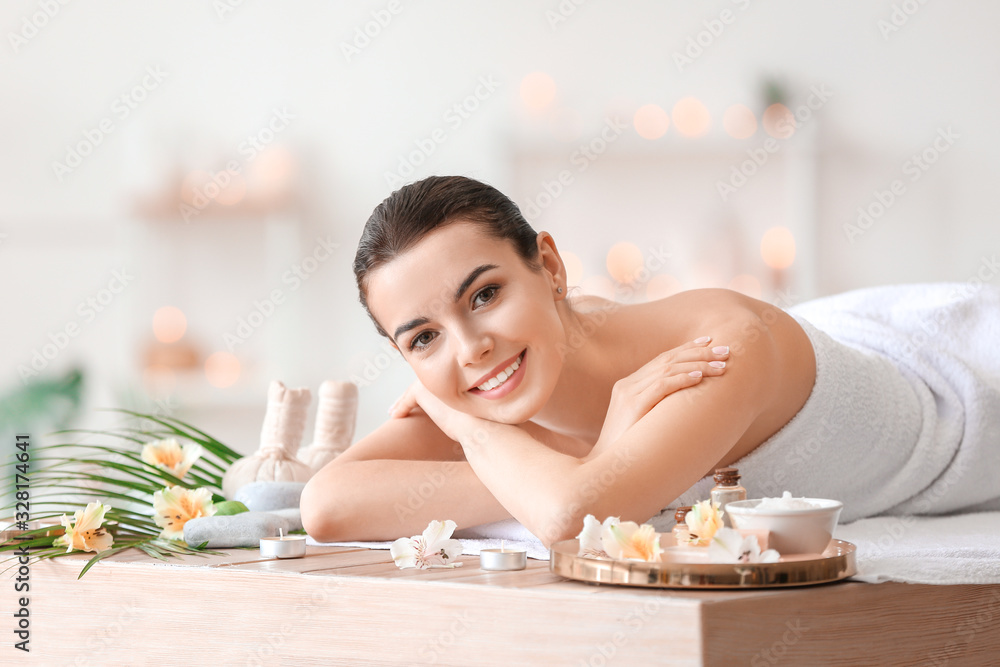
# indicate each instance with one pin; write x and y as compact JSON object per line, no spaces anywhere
{"x":681,"y":568}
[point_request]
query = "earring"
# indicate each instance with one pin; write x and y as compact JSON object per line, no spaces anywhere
{"x":559,"y":289}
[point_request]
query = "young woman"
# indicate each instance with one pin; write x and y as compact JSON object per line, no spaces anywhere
{"x":534,"y":404}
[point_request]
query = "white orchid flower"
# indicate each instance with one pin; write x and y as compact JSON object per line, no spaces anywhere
{"x":431,"y":549}
{"x":729,"y":546}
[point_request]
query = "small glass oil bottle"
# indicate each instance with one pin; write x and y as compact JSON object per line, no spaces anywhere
{"x":680,"y":531}
{"x":727,"y":489}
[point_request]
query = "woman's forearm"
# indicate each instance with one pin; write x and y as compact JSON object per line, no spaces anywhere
{"x":385,"y":499}
{"x":527,"y":477}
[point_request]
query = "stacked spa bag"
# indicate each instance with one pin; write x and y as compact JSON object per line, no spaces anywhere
{"x":270,"y":481}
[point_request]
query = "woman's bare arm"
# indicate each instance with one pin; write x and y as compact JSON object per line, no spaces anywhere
{"x":402,"y":475}
{"x":392,"y":483}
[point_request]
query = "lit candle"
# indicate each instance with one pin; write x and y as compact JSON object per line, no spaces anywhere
{"x":503,"y":559}
{"x":283,"y":546}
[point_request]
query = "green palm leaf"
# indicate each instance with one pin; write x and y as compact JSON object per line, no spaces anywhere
{"x":122,"y":476}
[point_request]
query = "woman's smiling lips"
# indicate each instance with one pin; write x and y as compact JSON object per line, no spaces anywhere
{"x":509,"y":385}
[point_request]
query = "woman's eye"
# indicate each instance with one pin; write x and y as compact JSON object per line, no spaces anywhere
{"x":490,"y":292}
{"x":420,"y":337}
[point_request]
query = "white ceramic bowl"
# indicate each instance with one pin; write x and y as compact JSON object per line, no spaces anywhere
{"x":793,"y":531}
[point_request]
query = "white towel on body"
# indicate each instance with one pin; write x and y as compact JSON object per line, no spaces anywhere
{"x":904,"y":416}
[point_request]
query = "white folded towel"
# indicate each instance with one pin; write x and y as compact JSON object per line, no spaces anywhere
{"x":474,"y":539}
{"x":904,"y":416}
{"x":959,"y":549}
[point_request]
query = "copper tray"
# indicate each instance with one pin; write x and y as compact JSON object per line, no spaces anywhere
{"x":680,"y":568}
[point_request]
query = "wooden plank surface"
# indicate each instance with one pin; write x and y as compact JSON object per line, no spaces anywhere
{"x":353,"y":606}
{"x":232,"y":614}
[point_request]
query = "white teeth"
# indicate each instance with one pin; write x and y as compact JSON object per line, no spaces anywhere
{"x":502,"y":376}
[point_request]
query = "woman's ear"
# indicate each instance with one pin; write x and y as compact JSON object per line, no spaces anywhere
{"x":551,"y":261}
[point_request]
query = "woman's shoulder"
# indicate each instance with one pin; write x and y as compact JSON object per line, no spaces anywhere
{"x":692,"y":310}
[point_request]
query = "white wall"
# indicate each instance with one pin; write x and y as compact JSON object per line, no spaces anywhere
{"x":224,"y":75}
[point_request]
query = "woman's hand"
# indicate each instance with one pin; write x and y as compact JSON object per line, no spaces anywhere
{"x":636,"y":394}
{"x":453,"y":423}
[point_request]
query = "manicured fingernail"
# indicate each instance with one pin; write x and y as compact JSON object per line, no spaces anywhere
{"x":721,"y":349}
{"x":717,"y":364}
{"x":703,"y":339}
{"x":695,"y":374}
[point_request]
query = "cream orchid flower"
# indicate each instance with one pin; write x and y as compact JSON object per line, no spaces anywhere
{"x":174,"y":506}
{"x":86,"y":532}
{"x":431,"y":549}
{"x":729,"y":546}
{"x":703,"y":521}
{"x":630,"y":541}
{"x":591,"y":544}
{"x":169,"y":455}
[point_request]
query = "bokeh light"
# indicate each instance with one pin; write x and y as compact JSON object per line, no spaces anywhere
{"x":739,"y":122}
{"x":778,"y":121}
{"x":169,"y":324}
{"x":538,"y":91}
{"x":222,"y":369}
{"x":651,"y":121}
{"x":777,"y":247}
{"x":691,"y":118}
{"x":624,"y":261}
{"x":661,"y":286}
{"x":272,"y":172}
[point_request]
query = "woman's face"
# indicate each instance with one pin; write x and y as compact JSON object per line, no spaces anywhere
{"x":462,"y":306}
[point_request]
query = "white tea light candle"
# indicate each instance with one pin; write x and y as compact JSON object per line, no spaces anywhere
{"x":503,"y":559}
{"x":283,"y":546}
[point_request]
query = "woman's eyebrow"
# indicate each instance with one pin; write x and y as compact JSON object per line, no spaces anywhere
{"x":469,"y":279}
